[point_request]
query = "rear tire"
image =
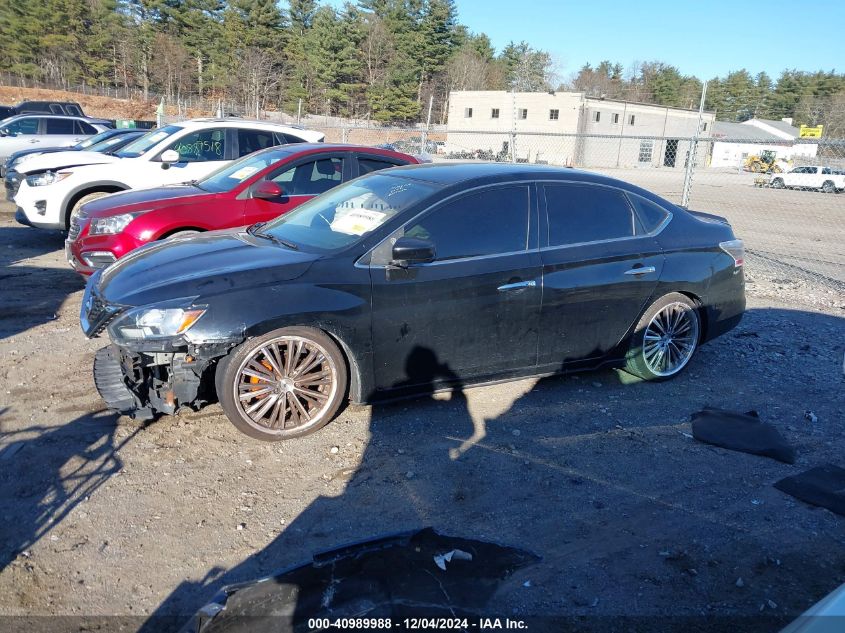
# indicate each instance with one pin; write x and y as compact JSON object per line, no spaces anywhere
{"x":828,"y":187}
{"x":665,"y":339}
{"x":285,"y":384}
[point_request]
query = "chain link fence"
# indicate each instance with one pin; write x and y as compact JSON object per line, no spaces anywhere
{"x":785,"y":199}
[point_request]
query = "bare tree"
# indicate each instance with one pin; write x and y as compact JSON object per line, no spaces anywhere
{"x":172,"y":67}
{"x":257,"y":76}
{"x":377,"y":48}
{"x":467,"y":71}
{"x":828,"y":111}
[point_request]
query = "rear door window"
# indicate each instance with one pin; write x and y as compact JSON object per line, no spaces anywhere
{"x":288,"y":138}
{"x":74,"y":110}
{"x":60,"y":126}
{"x":84,"y":128}
{"x":250,"y":141}
{"x":587,"y":213}
{"x":489,"y":222}
{"x":310,"y":178}
{"x":369,"y":165}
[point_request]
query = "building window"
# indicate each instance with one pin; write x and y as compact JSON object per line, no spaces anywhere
{"x":704,"y":129}
{"x":523,"y":113}
{"x":616,"y":118}
{"x":467,"y":113}
{"x":597,"y":116}
{"x":631,"y":120}
{"x":494,"y":113}
{"x":554,"y":115}
{"x":646,"y":149}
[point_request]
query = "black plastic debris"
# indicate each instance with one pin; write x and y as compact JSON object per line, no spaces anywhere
{"x":744,"y":432}
{"x":822,"y":486}
{"x":393,"y":577}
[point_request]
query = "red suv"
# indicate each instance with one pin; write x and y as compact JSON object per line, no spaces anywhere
{"x":256,"y":188}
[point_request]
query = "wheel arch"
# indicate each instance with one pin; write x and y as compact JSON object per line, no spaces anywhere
{"x":353,"y":366}
{"x":106,"y":186}
{"x":179,"y":229}
{"x":702,"y":313}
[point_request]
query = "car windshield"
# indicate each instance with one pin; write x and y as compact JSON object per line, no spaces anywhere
{"x":143,"y":144}
{"x":93,"y":140}
{"x":229,"y":176}
{"x":342,"y":216}
{"x":107,"y":143}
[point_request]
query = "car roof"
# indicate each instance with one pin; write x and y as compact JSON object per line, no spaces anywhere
{"x":75,"y":117}
{"x":454,"y":173}
{"x":238,"y":122}
{"x":456,"y":176}
{"x":312,"y":148}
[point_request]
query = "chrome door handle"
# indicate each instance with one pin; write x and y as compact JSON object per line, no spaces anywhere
{"x":518,"y":284}
{"x":642,"y":270}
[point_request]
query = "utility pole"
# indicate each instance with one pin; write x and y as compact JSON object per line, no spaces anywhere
{"x":690,"y":167}
{"x":513,"y":125}
{"x":424,"y":135}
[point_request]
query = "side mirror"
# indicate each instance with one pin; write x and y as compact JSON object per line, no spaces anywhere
{"x":4,"y":131}
{"x":168,"y":157}
{"x":267,"y":190}
{"x":412,"y":250}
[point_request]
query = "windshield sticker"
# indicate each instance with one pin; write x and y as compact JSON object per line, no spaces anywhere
{"x":244,"y":172}
{"x":155,"y":138}
{"x":356,"y":221}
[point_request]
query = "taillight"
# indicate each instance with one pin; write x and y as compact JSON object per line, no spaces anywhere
{"x":736,"y":249}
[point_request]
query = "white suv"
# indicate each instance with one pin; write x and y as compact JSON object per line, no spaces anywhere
{"x":176,"y":153}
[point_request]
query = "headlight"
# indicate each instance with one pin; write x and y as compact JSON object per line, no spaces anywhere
{"x":151,"y":323}
{"x":47,"y":178}
{"x":111,"y":224}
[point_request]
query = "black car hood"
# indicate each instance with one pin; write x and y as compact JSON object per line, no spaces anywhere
{"x":142,"y":196}
{"x":203,"y":265}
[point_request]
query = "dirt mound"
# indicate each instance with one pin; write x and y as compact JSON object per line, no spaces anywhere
{"x":92,"y":105}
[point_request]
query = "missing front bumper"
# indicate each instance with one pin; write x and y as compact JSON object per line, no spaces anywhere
{"x":142,"y":385}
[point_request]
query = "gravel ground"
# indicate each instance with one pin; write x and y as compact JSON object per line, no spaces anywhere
{"x":595,"y":473}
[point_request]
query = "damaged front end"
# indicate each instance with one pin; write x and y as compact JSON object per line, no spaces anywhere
{"x":144,"y":384}
{"x":151,"y":367}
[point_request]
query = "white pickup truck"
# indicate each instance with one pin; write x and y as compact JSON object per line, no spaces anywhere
{"x":811,"y":177}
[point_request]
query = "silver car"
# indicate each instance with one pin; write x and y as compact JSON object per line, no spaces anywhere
{"x":25,"y":131}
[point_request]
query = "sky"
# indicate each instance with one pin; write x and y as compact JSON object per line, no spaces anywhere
{"x":705,"y":38}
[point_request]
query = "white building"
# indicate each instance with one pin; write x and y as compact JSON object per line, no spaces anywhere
{"x":568,"y":128}
{"x":735,"y":142}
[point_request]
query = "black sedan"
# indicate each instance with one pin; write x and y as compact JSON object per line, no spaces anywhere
{"x":413,"y":279}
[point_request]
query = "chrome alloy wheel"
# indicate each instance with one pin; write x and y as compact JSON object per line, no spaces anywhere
{"x":285,"y":384}
{"x":670,"y":339}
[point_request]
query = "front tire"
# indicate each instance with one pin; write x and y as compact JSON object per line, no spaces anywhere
{"x":180,"y":234}
{"x":285,"y":384}
{"x":777,"y":183}
{"x":828,"y":187}
{"x":665,"y":339}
